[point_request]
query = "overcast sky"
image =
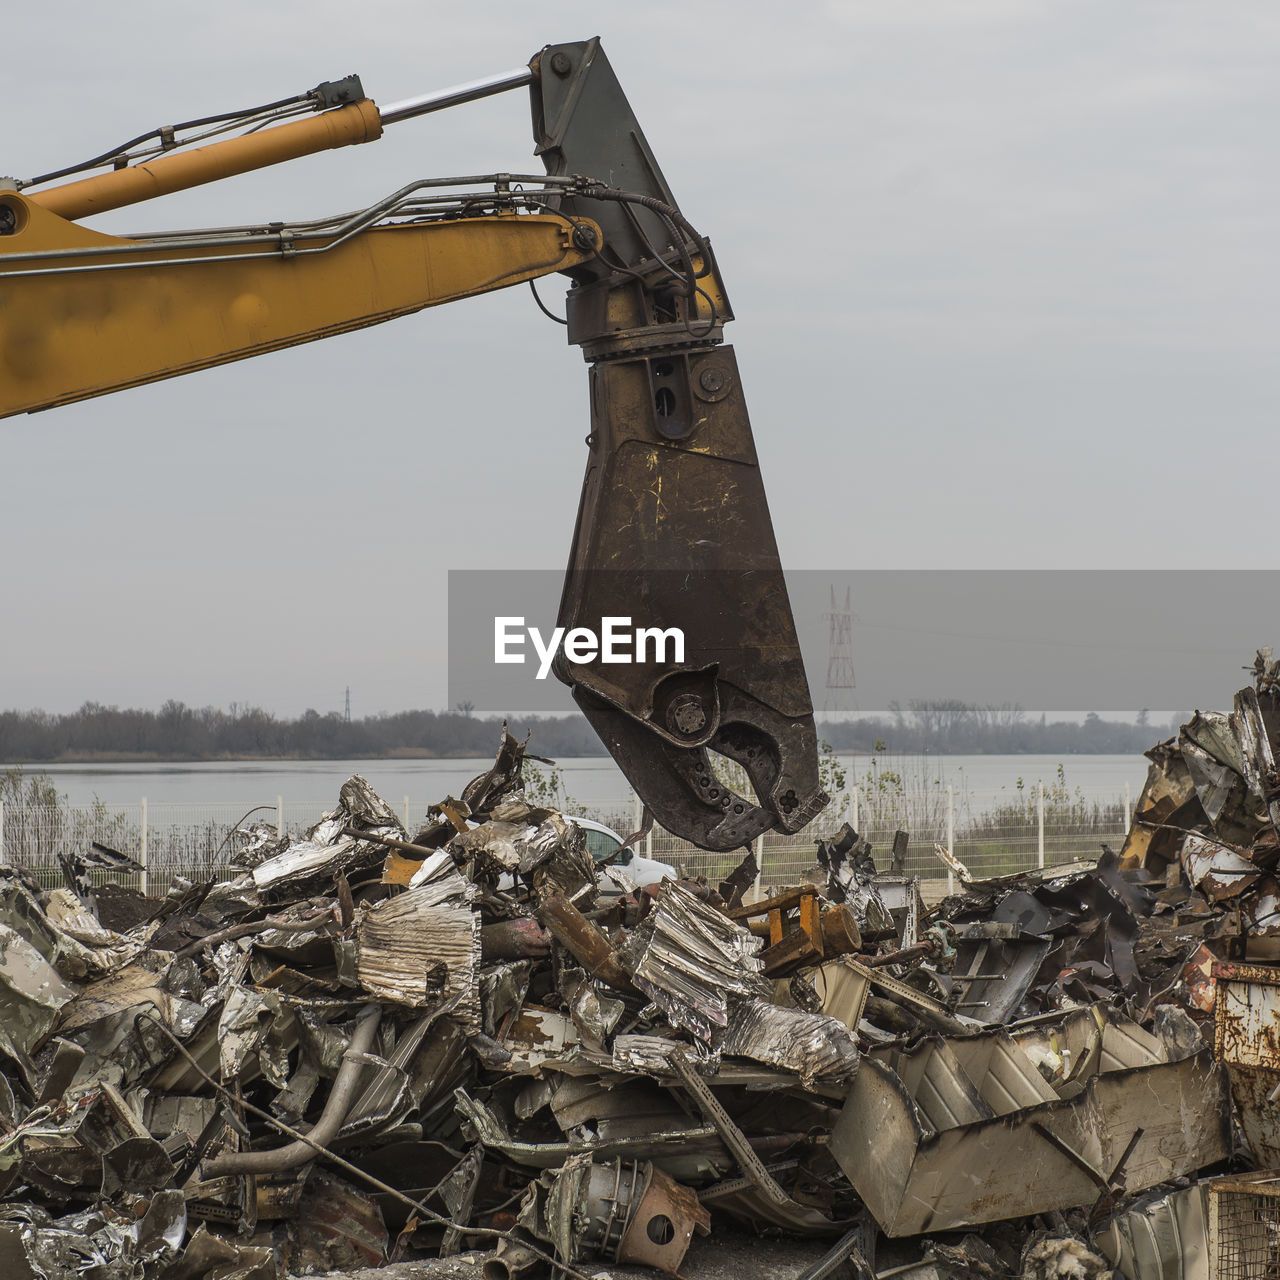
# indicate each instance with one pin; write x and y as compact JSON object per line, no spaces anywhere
{"x":1005,"y":278}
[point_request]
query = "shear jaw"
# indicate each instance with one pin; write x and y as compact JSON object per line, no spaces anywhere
{"x":679,"y":785}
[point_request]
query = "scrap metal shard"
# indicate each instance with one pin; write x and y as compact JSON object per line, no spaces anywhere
{"x":31,"y":995}
{"x":812,"y":1045}
{"x":1160,"y":1237}
{"x":627,"y":1212}
{"x":415,"y":949}
{"x":690,"y":960}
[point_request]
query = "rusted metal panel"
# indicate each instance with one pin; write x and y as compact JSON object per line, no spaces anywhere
{"x":416,"y":950}
{"x":1247,"y":1041}
{"x":335,"y":1227}
{"x":1247,"y":1025}
{"x":536,"y":1036}
{"x":1168,"y":792}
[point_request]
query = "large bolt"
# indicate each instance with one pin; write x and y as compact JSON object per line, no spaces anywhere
{"x":686,"y":714}
{"x":715,"y":381}
{"x":560,"y":64}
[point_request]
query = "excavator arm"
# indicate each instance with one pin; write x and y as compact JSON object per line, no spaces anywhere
{"x":672,"y":524}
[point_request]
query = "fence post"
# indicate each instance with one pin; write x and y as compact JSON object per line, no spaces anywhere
{"x":3,"y":859}
{"x":406,"y":813}
{"x":279,"y":817}
{"x":142,"y":847}
{"x":639,"y":820}
{"x":1127,"y":818}
{"x":759,"y":886}
{"x":951,"y":835}
{"x":1040,"y":825}
{"x":854,"y":812}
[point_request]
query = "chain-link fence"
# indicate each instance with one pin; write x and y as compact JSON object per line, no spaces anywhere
{"x":992,"y":833}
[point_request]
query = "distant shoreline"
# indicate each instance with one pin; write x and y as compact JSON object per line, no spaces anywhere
{"x":137,"y":757}
{"x":178,"y":734}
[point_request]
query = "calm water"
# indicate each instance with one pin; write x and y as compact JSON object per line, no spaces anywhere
{"x":593,"y":780}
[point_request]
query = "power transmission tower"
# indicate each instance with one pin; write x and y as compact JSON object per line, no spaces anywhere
{"x":346,"y":712}
{"x":838,"y":692}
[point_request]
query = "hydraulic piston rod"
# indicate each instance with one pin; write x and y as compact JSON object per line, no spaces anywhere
{"x":459,"y":93}
{"x":357,"y":122}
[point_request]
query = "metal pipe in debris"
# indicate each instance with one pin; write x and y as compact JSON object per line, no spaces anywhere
{"x":341,"y":1096}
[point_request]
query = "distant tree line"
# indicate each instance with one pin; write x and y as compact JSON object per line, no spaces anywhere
{"x":947,"y":725}
{"x":179,"y":732}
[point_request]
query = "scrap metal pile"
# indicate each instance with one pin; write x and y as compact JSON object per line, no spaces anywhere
{"x":370,"y":1044}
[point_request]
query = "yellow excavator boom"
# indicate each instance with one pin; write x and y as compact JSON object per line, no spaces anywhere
{"x":672,"y":514}
{"x":86,"y":313}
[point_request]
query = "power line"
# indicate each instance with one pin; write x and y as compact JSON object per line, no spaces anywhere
{"x":838,"y":691}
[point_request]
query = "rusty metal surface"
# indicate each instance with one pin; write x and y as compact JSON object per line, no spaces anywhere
{"x":1247,"y":1041}
{"x":662,"y":1223}
{"x":1247,"y":1015}
{"x":583,"y":941}
{"x":334,"y":1227}
{"x":673,"y":524}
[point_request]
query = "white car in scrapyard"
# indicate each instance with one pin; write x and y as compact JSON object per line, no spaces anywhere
{"x":619,"y":870}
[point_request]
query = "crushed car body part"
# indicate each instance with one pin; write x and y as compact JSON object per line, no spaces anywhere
{"x":944,"y":1135}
